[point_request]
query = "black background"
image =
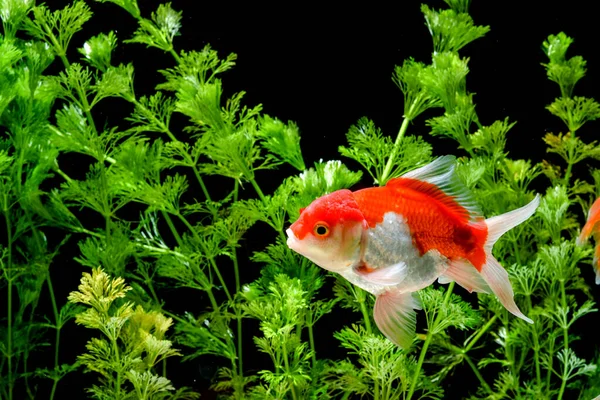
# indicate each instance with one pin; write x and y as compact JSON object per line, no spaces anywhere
{"x":324,"y":66}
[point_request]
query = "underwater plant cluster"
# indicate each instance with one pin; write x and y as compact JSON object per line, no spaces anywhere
{"x":145,"y":202}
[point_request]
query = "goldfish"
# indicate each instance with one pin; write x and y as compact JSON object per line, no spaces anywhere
{"x":397,"y":239}
{"x":592,"y":227}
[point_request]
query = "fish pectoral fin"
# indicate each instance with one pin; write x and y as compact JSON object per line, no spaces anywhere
{"x":466,"y":275}
{"x":396,"y":318}
{"x":386,"y":276}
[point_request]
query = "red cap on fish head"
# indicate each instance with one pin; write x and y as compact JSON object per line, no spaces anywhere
{"x":334,"y":208}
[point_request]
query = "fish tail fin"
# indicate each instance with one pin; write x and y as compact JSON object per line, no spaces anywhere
{"x":591,"y":225}
{"x":466,"y":275}
{"x":491,"y":271}
{"x":395,"y":316}
{"x":500,"y":224}
{"x":497,"y":279}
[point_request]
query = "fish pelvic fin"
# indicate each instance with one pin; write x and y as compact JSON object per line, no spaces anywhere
{"x":395,"y":316}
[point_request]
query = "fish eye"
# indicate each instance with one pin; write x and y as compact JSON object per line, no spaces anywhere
{"x":321,"y":229}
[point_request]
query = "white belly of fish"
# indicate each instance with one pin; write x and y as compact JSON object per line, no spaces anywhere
{"x":389,"y":245}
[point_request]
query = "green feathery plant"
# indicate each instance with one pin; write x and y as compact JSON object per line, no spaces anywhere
{"x":146,"y":212}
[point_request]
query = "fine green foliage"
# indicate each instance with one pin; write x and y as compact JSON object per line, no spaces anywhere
{"x":132,"y":344}
{"x":167,"y":197}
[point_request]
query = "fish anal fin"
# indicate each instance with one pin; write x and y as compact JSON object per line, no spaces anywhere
{"x":396,"y":318}
{"x":466,"y":275}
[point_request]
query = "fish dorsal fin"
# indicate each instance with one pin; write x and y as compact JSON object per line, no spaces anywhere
{"x":438,"y":180}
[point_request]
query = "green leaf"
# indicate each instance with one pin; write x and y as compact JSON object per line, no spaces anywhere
{"x":491,"y":140}
{"x":565,"y":72}
{"x":553,"y":210}
{"x":160,"y":31}
{"x":575,"y":112}
{"x":115,"y":82}
{"x":58,"y":27}
{"x":369,"y":147}
{"x":236,"y":155}
{"x":73,"y":134}
{"x":322,"y":179}
{"x":98,"y":50}
{"x":451,"y":31}
{"x":153,"y":114}
{"x":12,"y":14}
{"x":572,"y":149}
{"x":459,"y":6}
{"x":148,"y":385}
{"x":130,"y":6}
{"x":456,"y":125}
{"x":445,"y":79}
{"x":417,"y":99}
{"x":282,"y":141}
{"x":72,"y":83}
{"x":455,"y":313}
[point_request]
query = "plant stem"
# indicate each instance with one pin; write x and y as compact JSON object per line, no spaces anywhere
{"x":361,"y":297}
{"x":430,"y":329}
{"x":287,"y":371}
{"x":390,"y":162}
{"x":57,"y":327}
{"x":487,"y":387}
{"x":236,"y":271}
{"x":9,"y":279}
{"x":311,"y":341}
{"x":210,"y":259}
{"x":118,"y":359}
{"x":209,"y":292}
{"x":480,"y":333}
{"x":563,"y":297}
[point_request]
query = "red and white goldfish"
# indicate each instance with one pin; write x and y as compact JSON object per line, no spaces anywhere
{"x":592,"y":227}
{"x":399,"y":238}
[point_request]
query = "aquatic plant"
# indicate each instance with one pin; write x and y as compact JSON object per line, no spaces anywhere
{"x":156,"y":202}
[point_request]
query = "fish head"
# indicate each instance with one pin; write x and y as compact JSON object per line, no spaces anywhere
{"x":329,"y":231}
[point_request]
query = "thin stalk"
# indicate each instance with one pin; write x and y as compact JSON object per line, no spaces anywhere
{"x":168,"y":132}
{"x":487,"y":387}
{"x":175,"y":55}
{"x":118,"y":359}
{"x":287,"y":371}
{"x":360,"y":296}
{"x":311,"y":340}
{"x":258,"y":191}
{"x":536,"y":349}
{"x":563,"y":297}
{"x":211,"y":296}
{"x":390,"y":162}
{"x":58,"y":328}
{"x":210,"y":259}
{"x":62,"y":54}
{"x":9,"y":278}
{"x":413,"y":385}
{"x":236,"y":271}
{"x":480,"y":333}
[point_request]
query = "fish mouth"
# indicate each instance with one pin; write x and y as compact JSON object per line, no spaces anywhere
{"x":292,"y":240}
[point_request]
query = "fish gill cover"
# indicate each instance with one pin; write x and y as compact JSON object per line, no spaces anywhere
{"x":144,"y":200}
